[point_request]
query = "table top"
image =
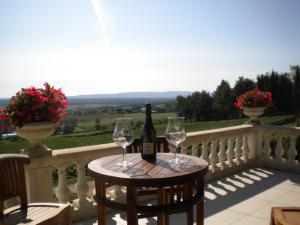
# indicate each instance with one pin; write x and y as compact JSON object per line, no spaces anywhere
{"x":148,"y":173}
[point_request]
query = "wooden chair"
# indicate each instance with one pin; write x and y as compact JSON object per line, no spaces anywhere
{"x":285,"y":216}
{"x":12,"y":184}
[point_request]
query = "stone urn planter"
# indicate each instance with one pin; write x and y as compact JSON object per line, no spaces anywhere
{"x":34,"y":133}
{"x":253,"y":113}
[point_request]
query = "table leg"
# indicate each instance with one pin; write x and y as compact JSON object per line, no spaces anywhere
{"x":200,"y":213}
{"x":101,"y":211}
{"x":200,"y":203}
{"x":132,"y":217}
{"x":162,"y":219}
{"x":187,"y":195}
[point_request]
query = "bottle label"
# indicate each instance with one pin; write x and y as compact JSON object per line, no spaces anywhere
{"x":148,"y":149}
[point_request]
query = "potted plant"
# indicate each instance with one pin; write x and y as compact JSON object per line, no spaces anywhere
{"x":253,"y":103}
{"x":34,"y":112}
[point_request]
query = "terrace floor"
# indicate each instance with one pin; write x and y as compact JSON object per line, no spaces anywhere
{"x":243,"y":198}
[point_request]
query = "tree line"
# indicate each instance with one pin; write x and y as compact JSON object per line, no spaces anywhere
{"x":219,"y":105}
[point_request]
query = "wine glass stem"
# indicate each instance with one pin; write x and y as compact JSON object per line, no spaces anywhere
{"x":175,"y":153}
{"x":124,"y":154}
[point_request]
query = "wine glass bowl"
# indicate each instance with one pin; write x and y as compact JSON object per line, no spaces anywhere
{"x":123,"y":136}
{"x":175,"y":135}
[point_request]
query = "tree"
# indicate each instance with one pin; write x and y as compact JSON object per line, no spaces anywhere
{"x":263,"y":82}
{"x":69,"y":124}
{"x":223,"y":101}
{"x":285,"y":93}
{"x":295,"y":72}
{"x":202,"y":106}
{"x":97,"y":124}
{"x":184,"y":107}
{"x":180,"y":104}
{"x":242,"y":85}
{"x":281,"y":87}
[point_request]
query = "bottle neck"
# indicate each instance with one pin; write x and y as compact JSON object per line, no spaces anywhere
{"x":148,"y":112}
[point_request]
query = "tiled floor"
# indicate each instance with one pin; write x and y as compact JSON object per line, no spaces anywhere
{"x":244,"y":198}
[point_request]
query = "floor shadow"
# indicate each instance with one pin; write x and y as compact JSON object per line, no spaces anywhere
{"x":224,"y":193}
{"x":247,"y":184}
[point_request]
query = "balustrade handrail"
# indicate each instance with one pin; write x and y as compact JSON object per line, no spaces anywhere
{"x":85,"y":153}
{"x":278,"y":129}
{"x":223,"y":132}
{"x":89,"y":152}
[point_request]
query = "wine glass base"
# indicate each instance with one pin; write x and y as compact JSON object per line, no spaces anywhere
{"x":124,"y":164}
{"x":176,"y":161}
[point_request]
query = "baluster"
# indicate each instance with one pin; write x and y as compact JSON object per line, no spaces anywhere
{"x":195,"y":148}
{"x":204,"y":154}
{"x":279,"y":149}
{"x":184,"y":149}
{"x":267,"y":148}
{"x":259,"y":148}
{"x":245,"y":148}
{"x":292,"y":149}
{"x":213,"y":155}
{"x":222,"y":153}
{"x":252,"y":139}
{"x":62,"y":190}
{"x":81,"y":187}
{"x":238,"y":149}
{"x":230,"y":152}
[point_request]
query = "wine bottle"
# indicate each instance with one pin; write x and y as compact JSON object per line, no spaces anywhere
{"x":148,"y":137}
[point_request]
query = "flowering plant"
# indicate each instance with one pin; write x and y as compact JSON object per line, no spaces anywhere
{"x":34,"y":105}
{"x":254,"y":98}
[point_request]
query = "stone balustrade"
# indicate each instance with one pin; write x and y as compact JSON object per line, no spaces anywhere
{"x":79,"y":157}
{"x":283,"y":155}
{"x":227,"y":150}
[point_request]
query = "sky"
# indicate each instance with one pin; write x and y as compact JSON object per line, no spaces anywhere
{"x":112,"y":46}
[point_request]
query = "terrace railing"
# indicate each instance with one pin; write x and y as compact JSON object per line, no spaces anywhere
{"x":227,"y":150}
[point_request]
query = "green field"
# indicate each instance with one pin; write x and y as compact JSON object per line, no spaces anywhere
{"x":88,"y":122}
{"x":93,"y":138}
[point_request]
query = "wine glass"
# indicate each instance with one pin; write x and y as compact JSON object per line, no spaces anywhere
{"x":123,"y":135}
{"x":175,"y":135}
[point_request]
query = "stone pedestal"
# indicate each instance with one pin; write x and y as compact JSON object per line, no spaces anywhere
{"x":39,"y":172}
{"x":39,"y":179}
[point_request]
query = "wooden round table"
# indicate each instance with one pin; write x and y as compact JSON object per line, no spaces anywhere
{"x":178,"y":187}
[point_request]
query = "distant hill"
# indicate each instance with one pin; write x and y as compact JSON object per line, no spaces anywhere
{"x":120,"y":98}
{"x":134,"y":95}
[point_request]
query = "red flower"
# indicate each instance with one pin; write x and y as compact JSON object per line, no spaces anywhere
{"x":34,"y":104}
{"x":254,"y":98}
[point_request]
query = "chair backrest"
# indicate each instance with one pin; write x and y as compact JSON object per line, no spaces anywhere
{"x":12,"y":178}
{"x":162,"y":145}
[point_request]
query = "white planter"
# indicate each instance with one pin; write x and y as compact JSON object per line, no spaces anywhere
{"x":253,"y":113}
{"x":34,"y":133}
